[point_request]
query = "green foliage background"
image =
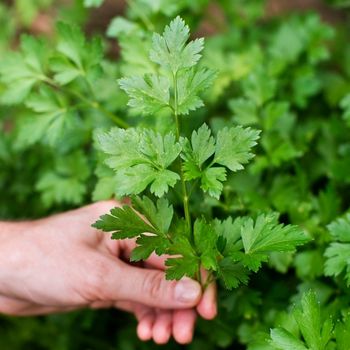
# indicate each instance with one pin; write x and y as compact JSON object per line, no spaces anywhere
{"x":288,"y":76}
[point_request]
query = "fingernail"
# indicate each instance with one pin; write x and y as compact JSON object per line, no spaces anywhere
{"x":187,"y":290}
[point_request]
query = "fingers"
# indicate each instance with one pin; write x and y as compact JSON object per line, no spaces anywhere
{"x":160,"y":325}
{"x":149,"y":287}
{"x":183,"y":325}
{"x":161,"y":331}
{"x":144,"y":315}
{"x":145,"y":325}
{"x":207,"y":307}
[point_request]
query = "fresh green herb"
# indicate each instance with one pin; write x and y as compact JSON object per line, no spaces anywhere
{"x":141,"y":159}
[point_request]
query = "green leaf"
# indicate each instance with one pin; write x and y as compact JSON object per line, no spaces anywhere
{"x":340,"y":229}
{"x":205,"y":242}
{"x":345,"y":105}
{"x":259,"y":86}
{"x":180,"y":267}
{"x":316,"y":334}
{"x":71,"y":43}
{"x":245,"y":111}
{"x":65,"y":183}
{"x":179,"y":83}
{"x":147,"y":244}
{"x":187,"y":264}
{"x":189,"y":84}
{"x":148,"y":94}
{"x":123,"y":223}
{"x":159,"y":216}
{"x":338,"y":260}
{"x":151,"y":231}
{"x":121,"y":26}
{"x":212,"y":179}
{"x":230,"y":231}
{"x":283,"y":340}
{"x":20,"y":71}
{"x":76,"y":57}
{"x":93,"y":3}
{"x":342,"y":333}
{"x":104,"y":188}
{"x":140,"y":159}
{"x":309,"y":264}
{"x":203,"y":145}
{"x":170,"y":50}
{"x":338,"y":253}
{"x":64,"y":69}
{"x":266,"y":235}
{"x":49,"y":120}
{"x":232,"y":273}
{"x":233,"y":147}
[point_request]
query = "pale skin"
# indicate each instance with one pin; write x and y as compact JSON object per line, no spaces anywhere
{"x":61,"y":263}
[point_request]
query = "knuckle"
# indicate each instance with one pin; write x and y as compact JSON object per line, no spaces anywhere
{"x":153,"y":284}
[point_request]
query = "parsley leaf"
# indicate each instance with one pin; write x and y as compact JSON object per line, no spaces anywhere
{"x":232,"y":273}
{"x":233,"y":146}
{"x":160,"y":217}
{"x":211,"y":181}
{"x":178,"y":90}
{"x":49,"y":120}
{"x":20,"y":71}
{"x":338,"y":253}
{"x":124,"y":223}
{"x":284,"y":340}
{"x":148,"y":94}
{"x":316,"y":333}
{"x":76,"y":57}
{"x":205,"y":242}
{"x":189,"y":84}
{"x":140,"y":158}
{"x":187,"y":264}
{"x":342,"y":333}
{"x":259,"y":86}
{"x":65,"y":183}
{"x":231,"y":149}
{"x":170,"y":50}
{"x":93,"y":3}
{"x":265,"y":235}
{"x":151,"y":232}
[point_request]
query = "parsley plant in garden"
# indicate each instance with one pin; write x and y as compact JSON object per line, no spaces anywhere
{"x":153,"y":167}
{"x":88,"y":115}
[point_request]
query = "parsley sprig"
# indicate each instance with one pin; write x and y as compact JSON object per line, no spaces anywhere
{"x":147,"y":161}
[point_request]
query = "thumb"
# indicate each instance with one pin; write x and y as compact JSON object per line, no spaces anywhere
{"x":149,"y":287}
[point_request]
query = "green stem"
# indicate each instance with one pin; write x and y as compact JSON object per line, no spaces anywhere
{"x":93,"y":104}
{"x":210,"y":279}
{"x":183,"y":183}
{"x":118,"y":121}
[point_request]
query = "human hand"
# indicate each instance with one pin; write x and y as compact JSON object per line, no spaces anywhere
{"x":61,"y":263}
